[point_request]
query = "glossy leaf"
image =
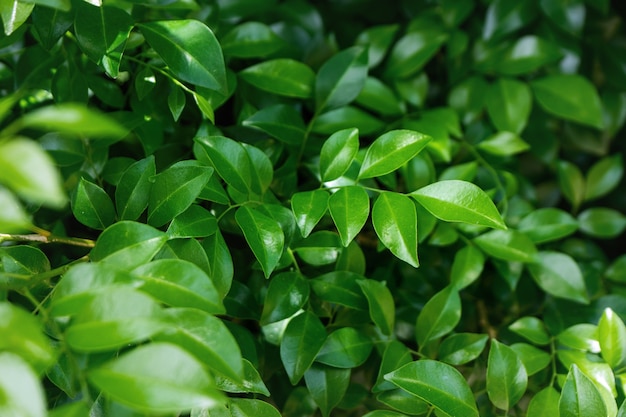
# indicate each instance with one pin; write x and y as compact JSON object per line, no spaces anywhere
{"x":612,"y":338}
{"x":243,"y":407}
{"x":545,"y":403}
{"x":264,"y":235}
{"x":547,"y":224}
{"x":21,"y":392}
{"x":403,"y":401}
{"x":602,"y":222}
{"x":133,"y":189}
{"x":320,"y":248}
{"x":19,"y":264}
{"x":340,"y":287}
{"x":580,"y":397}
{"x":507,"y":245}
{"x":390,"y":151}
{"x":437,"y":383}
{"x":250,"y":40}
{"x":285,"y":77}
{"x":13,"y":217}
{"x":340,"y":79}
{"x":349,"y":207}
{"x":92,"y":206}
{"x":534,"y":359}
{"x":381,"y":306}
{"x":559,"y":275}
{"x":14,"y":14}
{"x":190,"y":50}
{"x":459,"y":201}
{"x":345,"y":348}
{"x":531,"y":328}
{"x":528,"y":54}
{"x":327,"y":386}
{"x":309,"y":207}
{"x":157,"y":378}
{"x":286,"y":294}
{"x":380,"y":98}
{"x":378,"y":39}
{"x":504,"y":17}
{"x":503,"y":144}
{"x":506,"y":376}
{"x":347,"y":117}
{"x":412,"y":51}
{"x":439,"y":316}
{"x":604,"y":176}
{"x":279,"y":121}
{"x":508,"y":104}
{"x":395,"y":355}
{"x":395,"y":221}
{"x":193,"y":222}
{"x":303,"y":338}
{"x":467,"y":266}
{"x":252,"y":381}
{"x":230,"y":160}
{"x":220,"y":262}
{"x":461,"y":348}
{"x":337,"y":153}
{"x":582,"y":336}
{"x":571,"y":182}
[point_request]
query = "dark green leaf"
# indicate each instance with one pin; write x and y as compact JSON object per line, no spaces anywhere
{"x":303,"y":338}
{"x":340,"y":287}
{"x":509,"y":103}
{"x":559,"y":275}
{"x":534,"y":359}
{"x":439,"y":316}
{"x":92,"y":206}
{"x":571,"y":183}
{"x":467,"y":266}
{"x":280,"y":121}
{"x":337,"y":153}
{"x":133,"y":190}
{"x":327,"y":386}
{"x":220,"y":262}
{"x":527,"y":54}
{"x":390,"y":151}
{"x":532,"y":329}
{"x":612,"y":338}
{"x":580,"y":397}
{"x":569,"y":16}
{"x":286,"y":294}
{"x":617,"y":270}
{"x":506,"y":376}
{"x":395,"y":221}
{"x":284,"y":77}
{"x":347,"y":117}
{"x":604,"y":176}
{"x":345,"y":348}
{"x":461,"y":348}
{"x":381,"y":306}
{"x":378,"y":39}
{"x":379,"y":98}
{"x":602,"y":222}
{"x":193,"y":222}
{"x":230,"y":160}
{"x":21,"y":393}
{"x":340,"y":79}
{"x":264,"y":235}
{"x":504,"y":17}
{"x":243,"y":407}
{"x":349,"y":207}
{"x":251,"y":40}
{"x":396,"y":354}
{"x":412,"y":51}
{"x":308,"y":208}
{"x":176,"y":101}
{"x":19,"y":264}
{"x":507,"y":245}
{"x":547,"y":224}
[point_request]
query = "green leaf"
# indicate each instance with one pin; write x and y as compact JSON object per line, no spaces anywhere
{"x":390,"y":151}
{"x":115,"y":318}
{"x":531,"y":328}
{"x":459,"y":201}
{"x":144,"y":82}
{"x":190,"y":50}
{"x":251,"y":40}
{"x":133,"y":189}
{"x":403,"y":401}
{"x":461,"y":348}
{"x":503,"y":144}
{"x":14,"y":13}
{"x":30,"y":172}
{"x":602,"y":222}
{"x":545,"y":403}
{"x":220,"y":262}
{"x":21,"y":393}
{"x":616,"y":272}
{"x":327,"y":386}
{"x":13,"y":217}
{"x":438,"y":384}
{"x":349,"y":207}
{"x":337,"y":153}
{"x":347,"y":117}
{"x":395,"y":221}
{"x":504,"y":17}
{"x":534,"y":359}
{"x":127,"y":244}
{"x":383,"y":413}
{"x":604,"y":176}
{"x":379,"y":98}
{"x":439,"y":316}
{"x":582,"y":336}
{"x":303,"y":338}
{"x":528,"y":54}
{"x":101,"y":32}
{"x":252,"y":382}
{"x":264,"y":235}
{"x":559,"y":275}
{"x":345,"y":348}
{"x":467,"y":266}
{"x":175,"y":189}
{"x":396,"y":354}
{"x":19,"y":264}
{"x":571,"y":183}
{"x":230,"y":160}
{"x":569,"y":17}
{"x":179,"y":283}
{"x":547,"y":224}
{"x":309,"y":207}
{"x":280,"y":121}
{"x":285,"y":77}
{"x":507,"y":245}
{"x":571,"y":97}
{"x":612,"y":338}
{"x":508,"y":104}
{"x":506,"y":376}
{"x":193,"y":222}
{"x":176,"y":101}
{"x":377,"y":39}
{"x":207,"y":338}
{"x":340,"y":79}
{"x":340,"y":287}
{"x":286,"y":294}
{"x":413,"y":50}
{"x":92,"y":206}
{"x":580,"y":397}
{"x":320,"y":248}
{"x":157,"y":378}
{"x":243,"y":407}
{"x":381,"y":306}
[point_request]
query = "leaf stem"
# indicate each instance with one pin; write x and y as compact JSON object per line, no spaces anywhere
{"x":42,"y":237}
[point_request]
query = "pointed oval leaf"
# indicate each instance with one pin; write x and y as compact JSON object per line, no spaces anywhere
{"x":244,"y":407}
{"x":467,"y":266}
{"x":612,"y":338}
{"x":340,"y":287}
{"x":327,"y":386}
{"x":602,"y":222}
{"x":337,"y":153}
{"x":506,"y":376}
{"x":251,"y":383}
{"x":220,"y":262}
{"x":309,"y":207}
{"x":380,"y":98}
{"x":437,"y":383}
{"x":285,"y":77}
{"x":286,"y":294}
{"x":604,"y":176}
{"x":581,"y":336}
{"x":92,"y":206}
{"x":21,"y":393}
{"x":400,"y":400}
{"x":504,"y":17}
{"x":320,"y":248}
{"x":133,"y":189}
{"x":340,"y":79}
{"x":345,"y":348}
{"x":459,"y":201}
{"x":531,"y":328}
{"x":19,"y":264}
{"x":280,"y":121}
{"x":461,"y":348}
{"x":395,"y":221}
{"x":559,"y":275}
{"x":509,"y":102}
{"x":381,"y":306}
{"x":412,"y":51}
{"x":547,"y":224}
{"x":349,"y":207}
{"x":571,"y":183}
{"x":303,"y":338}
{"x":230,"y":160}
{"x":545,"y":403}
{"x":503,"y":144}
{"x":507,"y":245}
{"x":157,"y":378}
{"x":580,"y":396}
{"x":534,"y":359}
{"x":347,"y":117}
{"x":251,"y":40}
{"x":378,"y":39}
{"x":439,"y":316}
{"x":390,"y":151}
{"x":264,"y":235}
{"x":396,"y":354}
{"x":196,"y":221}
{"x":190,"y":50}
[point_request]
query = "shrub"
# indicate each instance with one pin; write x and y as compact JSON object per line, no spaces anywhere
{"x":263,"y":208}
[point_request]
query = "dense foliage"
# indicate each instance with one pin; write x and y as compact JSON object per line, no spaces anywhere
{"x":263,"y":208}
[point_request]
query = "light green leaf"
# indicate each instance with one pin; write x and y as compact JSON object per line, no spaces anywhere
{"x":602,"y":222}
{"x":190,"y":50}
{"x":612,"y":338}
{"x":92,"y":206}
{"x":506,"y":376}
{"x":349,"y":207}
{"x":157,"y":378}
{"x":559,"y":275}
{"x":381,"y":306}
{"x":571,"y":183}
{"x":309,"y":207}
{"x":582,"y":336}
{"x":21,"y":393}
{"x":264,"y":235}
{"x":252,"y":382}
{"x":390,"y":151}
{"x":251,"y":40}
{"x":507,"y":245}
{"x":604,"y":176}
{"x":467,"y":266}
{"x":320,"y":248}
{"x":244,"y":407}
{"x":580,"y":397}
{"x":531,"y":328}
{"x":286,"y":294}
{"x":395,"y":221}
{"x":545,"y":403}
{"x":509,"y":102}
{"x":402,"y":401}
{"x":412,"y":51}
{"x":230,"y":160}
{"x":345,"y":348}
{"x":133,"y":189}
{"x":547,"y":224}
{"x":337,"y":153}
{"x":459,"y":201}
{"x":327,"y":386}
{"x":14,"y":13}
{"x":378,"y":39}
{"x":347,"y":117}
{"x":285,"y":77}
{"x":503,"y":144}
{"x":534,"y":359}
{"x":193,"y":222}
{"x":461,"y":348}
{"x":340,"y":79}
{"x":616,"y":272}
{"x":13,"y":217}
{"x":303,"y":338}
{"x":527,"y":54}
{"x":437,"y":383}
{"x":280,"y":121}
{"x":439,"y":316}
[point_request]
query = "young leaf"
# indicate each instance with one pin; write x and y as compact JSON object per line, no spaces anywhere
{"x":230,"y":160}
{"x":531,"y":328}
{"x":559,"y":275}
{"x":439,"y":316}
{"x":264,"y":235}
{"x":612,"y":338}
{"x":503,"y":144}
{"x":327,"y":386}
{"x":459,"y":201}
{"x":381,"y":306}
{"x":461,"y":348}
{"x":580,"y":397}
{"x":337,"y":153}
{"x":547,"y":224}
{"x":157,"y":378}
{"x":303,"y":338}
{"x":545,"y":403}
{"x":92,"y":206}
{"x":309,"y":207}
{"x":133,"y":189}
{"x":349,"y":207}
{"x":390,"y":151}
{"x":604,"y":176}
{"x":21,"y":393}
{"x":190,"y":50}
{"x":395,"y":221}
{"x":506,"y":376}
{"x":509,"y":102}
{"x":467,"y":266}
{"x":437,"y":383}
{"x":340,"y":79}
{"x":283,"y":76}
{"x":345,"y":348}
{"x":507,"y":245}
{"x":286,"y":294}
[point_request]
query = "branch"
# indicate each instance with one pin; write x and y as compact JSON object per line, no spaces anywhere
{"x":74,"y":241}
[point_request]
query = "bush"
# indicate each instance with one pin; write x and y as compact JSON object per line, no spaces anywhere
{"x":263,"y":208}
